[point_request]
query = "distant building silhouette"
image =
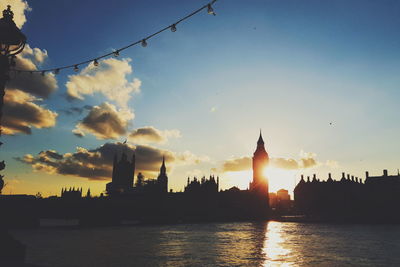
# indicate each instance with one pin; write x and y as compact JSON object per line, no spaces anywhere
{"x":203,"y":186}
{"x":349,"y":195}
{"x":280,"y":200}
{"x":122,"y":175}
{"x":162,"y":179}
{"x":259,"y":184}
{"x":283,"y":199}
{"x":123,"y":179}
{"x":71,"y":193}
{"x":385,"y":190}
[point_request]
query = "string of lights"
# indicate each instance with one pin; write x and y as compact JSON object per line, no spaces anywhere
{"x":116,"y":53}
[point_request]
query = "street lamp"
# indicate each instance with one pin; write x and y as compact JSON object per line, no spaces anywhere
{"x":12,"y":42}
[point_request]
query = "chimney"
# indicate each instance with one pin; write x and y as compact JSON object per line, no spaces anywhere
{"x":366,"y":175}
{"x":329,"y":176}
{"x":348,"y":176}
{"x":385,"y":173}
{"x":343,"y":175}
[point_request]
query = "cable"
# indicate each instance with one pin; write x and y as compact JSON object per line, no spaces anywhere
{"x":116,"y":53}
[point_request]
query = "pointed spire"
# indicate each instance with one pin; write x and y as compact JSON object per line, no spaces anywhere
{"x":260,"y":139}
{"x":314,"y":178}
{"x":163,"y":169}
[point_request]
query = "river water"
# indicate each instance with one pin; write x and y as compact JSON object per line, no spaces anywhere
{"x":216,"y":244}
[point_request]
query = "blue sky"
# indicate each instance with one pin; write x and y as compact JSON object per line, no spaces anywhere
{"x":288,"y":67}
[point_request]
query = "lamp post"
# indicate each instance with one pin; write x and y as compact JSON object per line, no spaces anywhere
{"x":12,"y":42}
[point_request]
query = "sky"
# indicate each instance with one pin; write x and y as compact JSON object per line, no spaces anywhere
{"x":320,"y":78}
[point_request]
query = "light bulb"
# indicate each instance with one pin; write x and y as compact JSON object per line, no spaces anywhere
{"x":95,"y":63}
{"x":173,"y":28}
{"x":144,"y":43}
{"x":210,"y":10}
{"x":116,"y":53}
{"x":76,"y":69}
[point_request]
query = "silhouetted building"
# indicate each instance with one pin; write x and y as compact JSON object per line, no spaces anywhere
{"x":259,"y":184}
{"x":385,"y":190}
{"x":203,"y":186}
{"x":349,"y":196}
{"x":152,"y":186}
{"x":122,"y":175}
{"x":71,"y":193}
{"x":162,"y":179}
{"x":280,"y":200}
{"x":123,"y":178}
{"x":283,"y":199}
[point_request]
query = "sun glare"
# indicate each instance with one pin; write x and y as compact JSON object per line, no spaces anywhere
{"x":277,"y":179}
{"x":240,"y":179}
{"x":280,"y":179}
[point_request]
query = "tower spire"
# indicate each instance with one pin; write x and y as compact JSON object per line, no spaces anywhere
{"x":163,"y":169}
{"x":260,"y":139}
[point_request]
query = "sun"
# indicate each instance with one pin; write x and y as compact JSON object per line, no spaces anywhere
{"x":280,"y":179}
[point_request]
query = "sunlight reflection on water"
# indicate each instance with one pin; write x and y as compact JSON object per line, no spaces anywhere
{"x":274,"y":246}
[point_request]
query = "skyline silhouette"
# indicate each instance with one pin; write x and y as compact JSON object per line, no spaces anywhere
{"x":128,"y":133}
{"x":161,"y":107}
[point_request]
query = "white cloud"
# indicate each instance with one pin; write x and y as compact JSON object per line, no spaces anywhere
{"x":109,"y":79}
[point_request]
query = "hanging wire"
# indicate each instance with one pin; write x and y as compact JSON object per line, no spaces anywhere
{"x":116,"y":53}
